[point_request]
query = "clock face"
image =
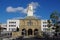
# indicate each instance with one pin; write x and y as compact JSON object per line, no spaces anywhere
{"x":30,"y":9}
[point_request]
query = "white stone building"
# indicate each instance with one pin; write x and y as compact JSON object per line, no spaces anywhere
{"x":44,"y":24}
{"x":12,"y":24}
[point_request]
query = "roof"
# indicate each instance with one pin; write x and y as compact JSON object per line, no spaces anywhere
{"x":31,"y":17}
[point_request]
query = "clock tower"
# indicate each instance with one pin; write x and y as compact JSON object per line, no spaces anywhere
{"x":30,"y":10}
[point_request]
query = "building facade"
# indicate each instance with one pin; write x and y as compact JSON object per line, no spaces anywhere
{"x":12,"y":24}
{"x":44,"y":25}
{"x":29,"y":27}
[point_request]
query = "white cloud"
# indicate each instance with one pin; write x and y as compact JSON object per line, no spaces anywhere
{"x":22,"y":9}
{"x":11,"y":9}
{"x":35,"y":4}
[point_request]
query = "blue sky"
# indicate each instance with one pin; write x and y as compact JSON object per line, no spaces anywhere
{"x":45,"y":8}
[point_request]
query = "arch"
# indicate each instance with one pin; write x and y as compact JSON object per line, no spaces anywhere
{"x":35,"y":31}
{"x":29,"y":31}
{"x":24,"y":31}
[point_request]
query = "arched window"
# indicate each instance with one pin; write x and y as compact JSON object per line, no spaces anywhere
{"x":30,"y":32}
{"x":17,"y":29}
{"x":23,"y":31}
{"x":36,"y":32}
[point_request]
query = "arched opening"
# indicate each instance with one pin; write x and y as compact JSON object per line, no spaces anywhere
{"x":24,"y":32}
{"x":17,"y":29}
{"x":36,"y":32}
{"x":30,"y":32}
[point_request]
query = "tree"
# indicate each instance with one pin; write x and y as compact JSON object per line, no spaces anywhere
{"x":49,"y":23}
{"x":54,"y":17}
{"x":50,"y":30}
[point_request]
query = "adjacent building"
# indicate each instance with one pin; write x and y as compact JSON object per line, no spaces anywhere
{"x":12,"y":24}
{"x":44,"y":25}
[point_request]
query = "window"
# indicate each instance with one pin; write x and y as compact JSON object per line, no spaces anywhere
{"x":44,"y":25}
{"x":12,"y":25}
{"x":12,"y":22}
{"x":44,"y":29}
{"x":12,"y":29}
{"x":17,"y":29}
{"x":29,"y":23}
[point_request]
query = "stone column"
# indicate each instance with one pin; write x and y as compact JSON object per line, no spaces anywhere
{"x":32,"y":32}
{"x":27,"y":32}
{"x":20,"y":32}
